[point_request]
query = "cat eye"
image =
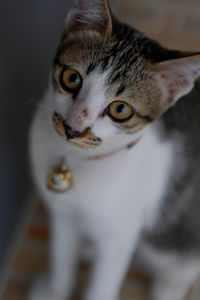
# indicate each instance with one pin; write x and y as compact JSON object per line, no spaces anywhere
{"x":70,"y":80}
{"x":120,"y":111}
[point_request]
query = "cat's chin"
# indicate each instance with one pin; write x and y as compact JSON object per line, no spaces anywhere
{"x":86,"y":144}
{"x":85,"y":152}
{"x":99,"y":152}
{"x":104,"y":148}
{"x":78,"y":151}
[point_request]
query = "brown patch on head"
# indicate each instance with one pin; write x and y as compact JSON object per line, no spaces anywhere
{"x":158,"y":87}
{"x":88,"y":27}
{"x":77,"y":50}
{"x":141,"y":91}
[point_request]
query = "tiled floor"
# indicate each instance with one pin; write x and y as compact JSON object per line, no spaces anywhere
{"x":31,"y":259}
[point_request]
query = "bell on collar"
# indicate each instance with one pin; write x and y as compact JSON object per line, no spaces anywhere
{"x":59,"y":179}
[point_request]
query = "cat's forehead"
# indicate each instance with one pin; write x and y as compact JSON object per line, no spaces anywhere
{"x":120,"y":57}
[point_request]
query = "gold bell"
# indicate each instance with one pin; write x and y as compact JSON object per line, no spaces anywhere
{"x":59,"y":179}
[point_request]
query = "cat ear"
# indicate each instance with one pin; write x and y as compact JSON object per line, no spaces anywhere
{"x":90,"y":14}
{"x":176,"y":77}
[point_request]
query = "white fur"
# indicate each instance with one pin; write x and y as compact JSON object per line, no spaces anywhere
{"x":110,"y":202}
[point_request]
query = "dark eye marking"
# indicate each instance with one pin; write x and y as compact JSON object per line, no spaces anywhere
{"x":120,"y":90}
{"x":148,"y":118}
{"x":113,"y":80}
{"x":90,"y":68}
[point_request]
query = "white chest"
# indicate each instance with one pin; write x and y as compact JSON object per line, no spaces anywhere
{"x":116,"y":190}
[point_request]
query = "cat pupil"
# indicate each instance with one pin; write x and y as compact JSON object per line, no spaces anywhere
{"x":120,"y":108}
{"x":73,"y":78}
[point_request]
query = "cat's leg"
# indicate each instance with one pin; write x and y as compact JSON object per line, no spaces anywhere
{"x":174,"y":278}
{"x":110,"y":267}
{"x":64,"y":245}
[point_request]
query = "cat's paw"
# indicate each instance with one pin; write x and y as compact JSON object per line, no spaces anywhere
{"x":41,"y":289}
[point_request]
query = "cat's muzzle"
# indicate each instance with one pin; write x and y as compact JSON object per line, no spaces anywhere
{"x":85,"y":139}
{"x":71,"y":133}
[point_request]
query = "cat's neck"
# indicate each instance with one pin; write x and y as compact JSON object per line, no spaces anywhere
{"x":109,"y":154}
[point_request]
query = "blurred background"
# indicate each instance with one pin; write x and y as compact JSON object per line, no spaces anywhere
{"x":174,"y":23}
{"x":29,"y":34}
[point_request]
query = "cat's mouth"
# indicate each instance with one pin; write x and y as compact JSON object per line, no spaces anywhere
{"x":85,"y":140}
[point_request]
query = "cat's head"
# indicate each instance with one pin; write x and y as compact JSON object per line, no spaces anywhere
{"x":111,"y":81}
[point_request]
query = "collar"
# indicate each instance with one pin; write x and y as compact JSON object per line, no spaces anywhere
{"x":109,"y":154}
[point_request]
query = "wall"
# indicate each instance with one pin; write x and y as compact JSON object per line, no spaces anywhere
{"x":29,"y":33}
{"x":174,"y":23}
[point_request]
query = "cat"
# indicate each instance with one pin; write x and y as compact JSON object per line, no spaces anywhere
{"x":119,"y":127}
